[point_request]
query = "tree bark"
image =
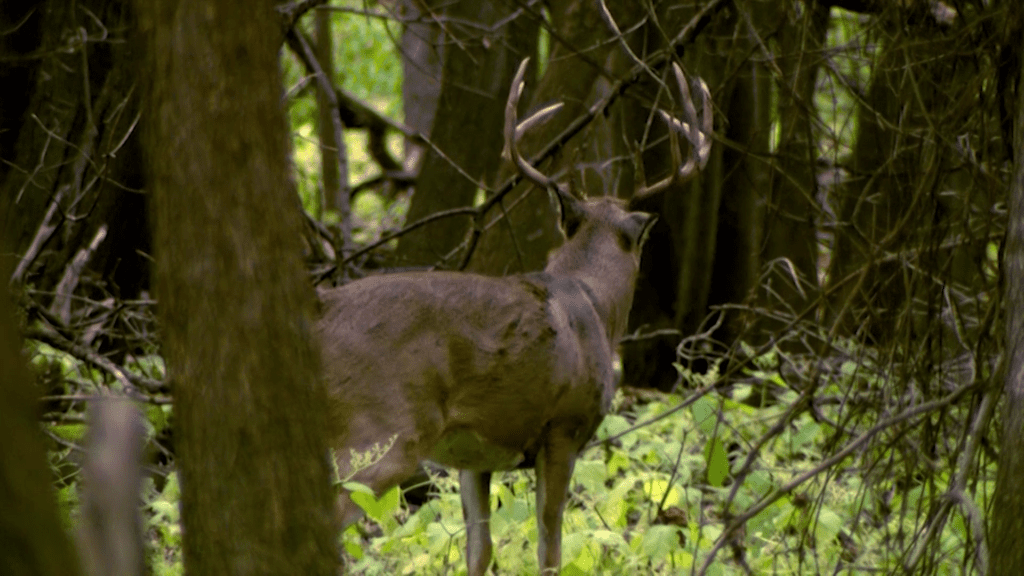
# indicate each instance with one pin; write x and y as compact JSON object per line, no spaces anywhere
{"x":791,"y":201}
{"x":332,"y":197}
{"x":478,"y":66}
{"x":237,"y":309}
{"x":423,"y":50}
{"x":734,"y":254}
{"x":893,"y":217}
{"x":705,"y":250}
{"x":523,"y":239}
{"x":32,"y":540}
{"x":1006,"y":528}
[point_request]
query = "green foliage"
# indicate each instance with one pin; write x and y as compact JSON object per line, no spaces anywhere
{"x":381,"y":510}
{"x":163,"y":526}
{"x":368,"y":66}
{"x":650,"y":497}
{"x":363,"y":460}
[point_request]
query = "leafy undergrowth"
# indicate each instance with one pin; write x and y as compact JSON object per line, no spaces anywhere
{"x":666,"y":489}
{"x":668,"y":486}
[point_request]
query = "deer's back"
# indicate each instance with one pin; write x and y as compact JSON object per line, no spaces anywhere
{"x":440,"y":353}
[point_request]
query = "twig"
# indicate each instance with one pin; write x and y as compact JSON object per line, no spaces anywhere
{"x":291,"y":12}
{"x":61,"y":305}
{"x":131,"y":382}
{"x":45,"y":231}
{"x":910,"y":413}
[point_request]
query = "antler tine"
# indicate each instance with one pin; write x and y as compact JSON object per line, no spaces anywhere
{"x":699,"y":136}
{"x":514,"y":132}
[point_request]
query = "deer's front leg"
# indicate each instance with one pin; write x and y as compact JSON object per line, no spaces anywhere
{"x":475,"y":490}
{"x":554,"y":469}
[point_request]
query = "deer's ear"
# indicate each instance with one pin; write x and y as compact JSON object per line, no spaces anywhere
{"x":637,"y":226}
{"x":649,"y":222}
{"x":633,"y":230}
{"x":570,"y":213}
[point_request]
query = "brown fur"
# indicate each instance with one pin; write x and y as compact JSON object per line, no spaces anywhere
{"x":484,"y":373}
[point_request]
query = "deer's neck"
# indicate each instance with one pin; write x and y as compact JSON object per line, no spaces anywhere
{"x":611,"y":302}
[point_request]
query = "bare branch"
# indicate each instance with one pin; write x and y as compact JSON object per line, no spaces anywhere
{"x":130,"y":381}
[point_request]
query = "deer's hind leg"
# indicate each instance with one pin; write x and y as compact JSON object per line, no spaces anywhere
{"x":555,"y":464}
{"x":475,"y":491}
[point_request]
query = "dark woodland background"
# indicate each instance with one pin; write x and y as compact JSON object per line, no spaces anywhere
{"x":848,"y":270}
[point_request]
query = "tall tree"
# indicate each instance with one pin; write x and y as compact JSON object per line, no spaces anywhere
{"x":32,"y":540}
{"x":236,"y":307}
{"x":791,"y":198}
{"x":705,"y":251}
{"x":331,"y":184}
{"x":484,"y":42}
{"x":901,"y":212}
{"x":520,"y":242}
{"x":1006,"y":527}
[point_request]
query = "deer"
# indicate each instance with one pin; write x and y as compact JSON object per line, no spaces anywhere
{"x":484,"y":373}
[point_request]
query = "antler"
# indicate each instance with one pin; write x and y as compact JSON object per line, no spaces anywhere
{"x":699,"y":137}
{"x":514,"y":132}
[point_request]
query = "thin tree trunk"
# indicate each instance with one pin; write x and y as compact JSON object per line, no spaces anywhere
{"x":32,"y":540}
{"x":332,"y":197}
{"x":706,"y":249}
{"x":237,"y":309}
{"x":423,"y":50}
{"x":734,"y":255}
{"x":791,"y":203}
{"x":1007,"y":522}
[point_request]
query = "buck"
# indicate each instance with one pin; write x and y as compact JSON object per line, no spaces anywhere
{"x":492,"y":373}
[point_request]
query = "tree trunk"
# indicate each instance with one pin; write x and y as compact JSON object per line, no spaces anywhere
{"x":892,"y":219}
{"x":423,"y":50}
{"x":32,"y":540}
{"x":478,"y":66}
{"x":236,"y":306}
{"x":332,"y":197}
{"x":1006,"y":528}
{"x":521,"y":241}
{"x":789,"y":229}
{"x":705,"y":249}
{"x":734,"y":255}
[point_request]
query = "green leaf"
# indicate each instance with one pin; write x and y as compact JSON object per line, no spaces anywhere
{"x":591,"y":475}
{"x":717,"y":462}
{"x":806,"y":434}
{"x":572,"y":545}
{"x":658,"y":542}
{"x":828,"y":526}
{"x":611,"y":425}
{"x":760,"y":482}
{"x":705,"y":414}
{"x":354,"y":549}
{"x":164,"y":511}
{"x":71,"y":432}
{"x":357,"y":487}
{"x":380,"y":510}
